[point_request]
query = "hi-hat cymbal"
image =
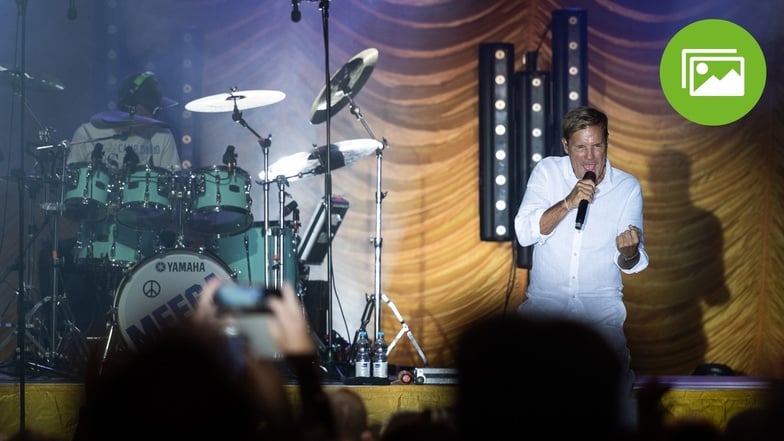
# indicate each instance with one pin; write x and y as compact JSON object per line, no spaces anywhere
{"x":32,"y":179}
{"x":243,"y":100}
{"x":346,"y":83}
{"x":300,"y":165}
{"x":119,"y":119}
{"x":13,"y":78}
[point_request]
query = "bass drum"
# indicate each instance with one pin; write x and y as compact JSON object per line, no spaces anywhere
{"x":162,"y":290}
{"x":244,"y":253}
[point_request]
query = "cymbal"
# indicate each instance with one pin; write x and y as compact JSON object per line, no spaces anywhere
{"x":32,"y":179}
{"x":117,"y":118}
{"x":302,"y":164}
{"x":13,"y":78}
{"x":346,"y":83}
{"x":243,"y":100}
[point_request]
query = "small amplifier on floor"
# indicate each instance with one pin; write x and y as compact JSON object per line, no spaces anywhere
{"x":435,"y":376}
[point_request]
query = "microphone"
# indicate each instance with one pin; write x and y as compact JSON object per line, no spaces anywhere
{"x":229,"y":157}
{"x":131,"y":159}
{"x":296,"y":15}
{"x":291,"y":206}
{"x":581,"y":210}
{"x":97,"y":155}
{"x":72,"y":10}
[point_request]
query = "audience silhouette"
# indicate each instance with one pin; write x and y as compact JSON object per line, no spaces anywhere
{"x":350,"y":413}
{"x":561,"y":378}
{"x":194,"y":382}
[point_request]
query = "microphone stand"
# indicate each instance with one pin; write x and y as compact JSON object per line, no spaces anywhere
{"x":21,"y":295}
{"x":324,"y":8}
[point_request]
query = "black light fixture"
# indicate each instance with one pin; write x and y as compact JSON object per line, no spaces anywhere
{"x":496,"y":71}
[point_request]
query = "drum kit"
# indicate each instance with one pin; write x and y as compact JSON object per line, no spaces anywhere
{"x":156,"y":235}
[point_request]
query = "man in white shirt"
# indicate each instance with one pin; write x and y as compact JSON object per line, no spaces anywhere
{"x":580,"y":253}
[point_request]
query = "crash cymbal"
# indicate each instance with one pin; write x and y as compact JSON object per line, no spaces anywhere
{"x":346,"y":83}
{"x":244,"y":99}
{"x":13,"y":78}
{"x":119,"y":119}
{"x":300,"y":165}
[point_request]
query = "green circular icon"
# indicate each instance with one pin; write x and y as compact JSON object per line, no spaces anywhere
{"x":712,"y":72}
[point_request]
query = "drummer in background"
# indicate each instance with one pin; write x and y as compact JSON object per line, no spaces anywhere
{"x":130,"y":135}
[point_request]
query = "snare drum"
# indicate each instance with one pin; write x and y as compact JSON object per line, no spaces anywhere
{"x":87,"y":191}
{"x":221,"y":200}
{"x":112,"y":244}
{"x":162,"y":290}
{"x":244,"y":253}
{"x":144,"y":201}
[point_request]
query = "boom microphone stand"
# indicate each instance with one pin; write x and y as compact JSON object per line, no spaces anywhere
{"x":324,"y":8}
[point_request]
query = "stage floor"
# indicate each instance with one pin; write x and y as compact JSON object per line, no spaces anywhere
{"x":53,"y":406}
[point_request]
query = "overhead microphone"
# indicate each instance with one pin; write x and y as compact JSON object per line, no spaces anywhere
{"x":229,"y":157}
{"x":289,"y":208}
{"x":131,"y":159}
{"x":97,"y":154}
{"x":583,"y":207}
{"x":296,"y":15}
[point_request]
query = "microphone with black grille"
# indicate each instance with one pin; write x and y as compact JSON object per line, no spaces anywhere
{"x":97,"y":155}
{"x":131,"y":159}
{"x":583,"y":208}
{"x":230,"y":158}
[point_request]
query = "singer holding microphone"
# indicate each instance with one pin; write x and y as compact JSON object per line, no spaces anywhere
{"x":584,"y":219}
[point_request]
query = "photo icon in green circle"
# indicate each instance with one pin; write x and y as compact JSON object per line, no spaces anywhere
{"x":712,"y":72}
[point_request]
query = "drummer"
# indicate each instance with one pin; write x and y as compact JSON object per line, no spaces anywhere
{"x":130,"y":135}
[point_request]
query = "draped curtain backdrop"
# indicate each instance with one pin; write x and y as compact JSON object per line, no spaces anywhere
{"x":712,"y":195}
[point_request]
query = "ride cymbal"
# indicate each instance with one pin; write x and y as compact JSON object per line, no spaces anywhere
{"x":345,"y":84}
{"x":302,"y":164}
{"x":241,"y":100}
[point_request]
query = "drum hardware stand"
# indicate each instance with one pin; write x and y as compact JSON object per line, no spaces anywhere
{"x":404,"y":329}
{"x":265,"y":144}
{"x":377,"y":296}
{"x":278,"y":266}
{"x":49,"y":348}
{"x":57,"y":300}
{"x":181,"y":195}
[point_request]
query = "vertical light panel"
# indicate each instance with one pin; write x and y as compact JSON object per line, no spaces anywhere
{"x":570,"y":67}
{"x":532,"y":110}
{"x":189,"y":80}
{"x":496,"y":71}
{"x":111,"y":49}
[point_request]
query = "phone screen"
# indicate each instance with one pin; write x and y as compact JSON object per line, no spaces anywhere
{"x":236,"y":298}
{"x":249,"y":314}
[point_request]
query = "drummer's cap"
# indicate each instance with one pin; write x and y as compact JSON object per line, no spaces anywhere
{"x":142,"y":88}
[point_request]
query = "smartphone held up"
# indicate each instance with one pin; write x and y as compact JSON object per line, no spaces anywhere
{"x":246,"y":312}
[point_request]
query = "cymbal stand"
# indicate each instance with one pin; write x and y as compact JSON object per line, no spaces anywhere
{"x":32,"y":236}
{"x":278,"y":266}
{"x":265,"y":144}
{"x":57,"y":300}
{"x":377,"y":295}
